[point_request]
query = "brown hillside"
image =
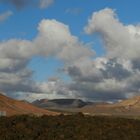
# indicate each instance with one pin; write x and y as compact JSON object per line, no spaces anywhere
{"x":132,"y":102}
{"x":125,"y":107}
{"x":15,"y":107}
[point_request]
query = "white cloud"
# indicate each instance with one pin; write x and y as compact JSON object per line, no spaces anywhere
{"x":113,"y":76}
{"x":120,"y":40}
{"x":45,"y":3}
{"x":116,"y":74}
{"x":54,"y":39}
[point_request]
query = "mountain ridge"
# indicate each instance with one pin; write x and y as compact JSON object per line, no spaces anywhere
{"x":60,"y":103}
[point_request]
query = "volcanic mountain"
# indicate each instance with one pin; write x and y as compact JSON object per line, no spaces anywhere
{"x":15,"y":107}
{"x":59,"y":103}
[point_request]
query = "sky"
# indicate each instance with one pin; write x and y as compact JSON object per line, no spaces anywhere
{"x":87,"y":49}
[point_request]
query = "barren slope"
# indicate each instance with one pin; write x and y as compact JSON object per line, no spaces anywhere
{"x":15,"y":107}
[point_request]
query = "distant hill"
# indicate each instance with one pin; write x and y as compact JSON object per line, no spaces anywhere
{"x":15,"y":107}
{"x":125,"y":107}
{"x":130,"y":103}
{"x":60,"y":103}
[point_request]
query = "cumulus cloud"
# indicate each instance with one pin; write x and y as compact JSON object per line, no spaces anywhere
{"x":60,"y":42}
{"x":45,"y":3}
{"x":122,"y":50}
{"x":54,"y":39}
{"x":120,"y":40}
{"x":113,"y":76}
{"x":4,"y":16}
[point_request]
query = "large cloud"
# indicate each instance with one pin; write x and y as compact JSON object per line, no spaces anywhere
{"x":120,"y":40}
{"x":120,"y":67}
{"x":114,"y":75}
{"x":54,"y":39}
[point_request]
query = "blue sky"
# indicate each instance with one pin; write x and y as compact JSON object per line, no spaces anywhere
{"x":22,"y":23}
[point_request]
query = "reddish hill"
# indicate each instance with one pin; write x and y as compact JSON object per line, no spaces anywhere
{"x":15,"y":107}
{"x":130,"y":103}
{"x":125,"y":107}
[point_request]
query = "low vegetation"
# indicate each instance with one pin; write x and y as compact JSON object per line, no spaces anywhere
{"x":68,"y":127}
